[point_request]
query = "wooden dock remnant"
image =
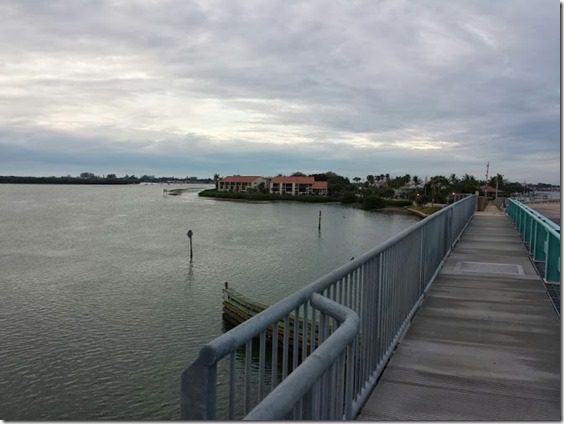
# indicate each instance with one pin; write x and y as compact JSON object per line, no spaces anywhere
{"x":238,"y":308}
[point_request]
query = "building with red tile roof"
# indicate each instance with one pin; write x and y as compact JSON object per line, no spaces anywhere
{"x":319,"y":188}
{"x":240,"y":183}
{"x":240,"y":179}
{"x":297,"y":186}
{"x":292,"y":185}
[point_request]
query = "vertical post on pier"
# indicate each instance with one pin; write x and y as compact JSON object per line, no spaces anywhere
{"x":496,"y":190}
{"x":189,"y":234}
{"x":319,"y":223}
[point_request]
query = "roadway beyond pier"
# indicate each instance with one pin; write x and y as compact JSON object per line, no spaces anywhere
{"x":485,"y":344}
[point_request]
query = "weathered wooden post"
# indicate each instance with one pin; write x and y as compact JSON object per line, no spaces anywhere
{"x":189,"y":234}
{"x":319,"y":223}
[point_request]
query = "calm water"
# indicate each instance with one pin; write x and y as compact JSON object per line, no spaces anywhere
{"x":100,"y":309}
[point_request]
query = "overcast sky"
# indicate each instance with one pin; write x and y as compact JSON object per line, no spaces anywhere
{"x":265,"y":87}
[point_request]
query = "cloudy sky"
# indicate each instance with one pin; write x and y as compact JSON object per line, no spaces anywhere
{"x":266,"y":87}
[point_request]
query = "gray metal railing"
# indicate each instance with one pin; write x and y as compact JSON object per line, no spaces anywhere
{"x":330,"y":358}
{"x":322,"y":360}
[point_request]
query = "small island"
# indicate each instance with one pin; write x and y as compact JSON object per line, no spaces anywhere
{"x":382,"y":193}
{"x":377,"y":193}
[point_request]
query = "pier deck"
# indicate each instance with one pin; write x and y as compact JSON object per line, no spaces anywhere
{"x":485,"y":344}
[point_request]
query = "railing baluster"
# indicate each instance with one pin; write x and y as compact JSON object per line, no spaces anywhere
{"x":314,"y":330}
{"x":274,"y":362}
{"x":380,"y":333}
{"x":396,"y":287}
{"x":307,"y":406}
{"x":354,"y":307}
{"x":316,"y":391}
{"x":323,"y":324}
{"x":295,"y":347}
{"x":232,"y":385}
{"x":325,"y":396}
{"x":262,"y":354}
{"x":305,"y":331}
{"x":389,"y":306}
{"x":360,"y":347}
{"x":365,"y":270}
{"x":348,"y":291}
{"x":340,"y":385}
{"x":370,"y":317}
{"x":349,"y":394}
{"x":341,"y":284}
{"x":333,"y":404}
{"x":285,"y":347}
{"x":247,"y":389}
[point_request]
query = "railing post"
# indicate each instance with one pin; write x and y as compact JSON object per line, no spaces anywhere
{"x":349,"y":384}
{"x":421,"y":263}
{"x":540,"y":246}
{"x":197,"y":392}
{"x":552,"y":268}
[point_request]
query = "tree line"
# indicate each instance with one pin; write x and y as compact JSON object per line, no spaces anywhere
{"x":436,"y":189}
{"x":91,"y":178}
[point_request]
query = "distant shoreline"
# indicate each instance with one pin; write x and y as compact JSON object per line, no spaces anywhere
{"x":229,"y":195}
{"x":266,"y":197}
{"x":91,"y":180}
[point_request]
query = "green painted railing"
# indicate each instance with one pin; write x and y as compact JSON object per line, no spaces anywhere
{"x":540,"y":234}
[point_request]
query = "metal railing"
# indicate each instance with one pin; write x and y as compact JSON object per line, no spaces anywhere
{"x":334,"y":336}
{"x":540,"y":234}
{"x":330,"y":358}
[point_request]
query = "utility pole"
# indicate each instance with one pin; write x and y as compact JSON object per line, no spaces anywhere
{"x":487,"y":172}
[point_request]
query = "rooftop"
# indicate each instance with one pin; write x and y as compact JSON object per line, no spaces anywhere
{"x":240,"y":179}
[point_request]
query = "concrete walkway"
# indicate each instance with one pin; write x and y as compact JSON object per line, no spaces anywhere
{"x":485,"y":344}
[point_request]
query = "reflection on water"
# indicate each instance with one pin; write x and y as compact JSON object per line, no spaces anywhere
{"x":190,"y":273}
{"x":101,"y":307}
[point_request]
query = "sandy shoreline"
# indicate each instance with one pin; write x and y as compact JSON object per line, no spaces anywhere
{"x":549,"y":209}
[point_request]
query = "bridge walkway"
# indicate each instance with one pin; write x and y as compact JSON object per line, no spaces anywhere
{"x":485,"y":344}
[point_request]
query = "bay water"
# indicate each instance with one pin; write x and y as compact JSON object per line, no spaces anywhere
{"x":101,"y":308}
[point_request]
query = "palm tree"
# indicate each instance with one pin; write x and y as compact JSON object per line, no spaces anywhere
{"x":497,"y":179}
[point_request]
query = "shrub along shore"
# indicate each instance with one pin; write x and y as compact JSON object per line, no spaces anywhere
{"x":371,"y":203}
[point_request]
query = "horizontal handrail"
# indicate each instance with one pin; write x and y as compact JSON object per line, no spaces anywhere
{"x":279,"y":403}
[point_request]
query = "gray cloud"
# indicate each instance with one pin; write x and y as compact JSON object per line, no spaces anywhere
{"x":421,"y":87}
